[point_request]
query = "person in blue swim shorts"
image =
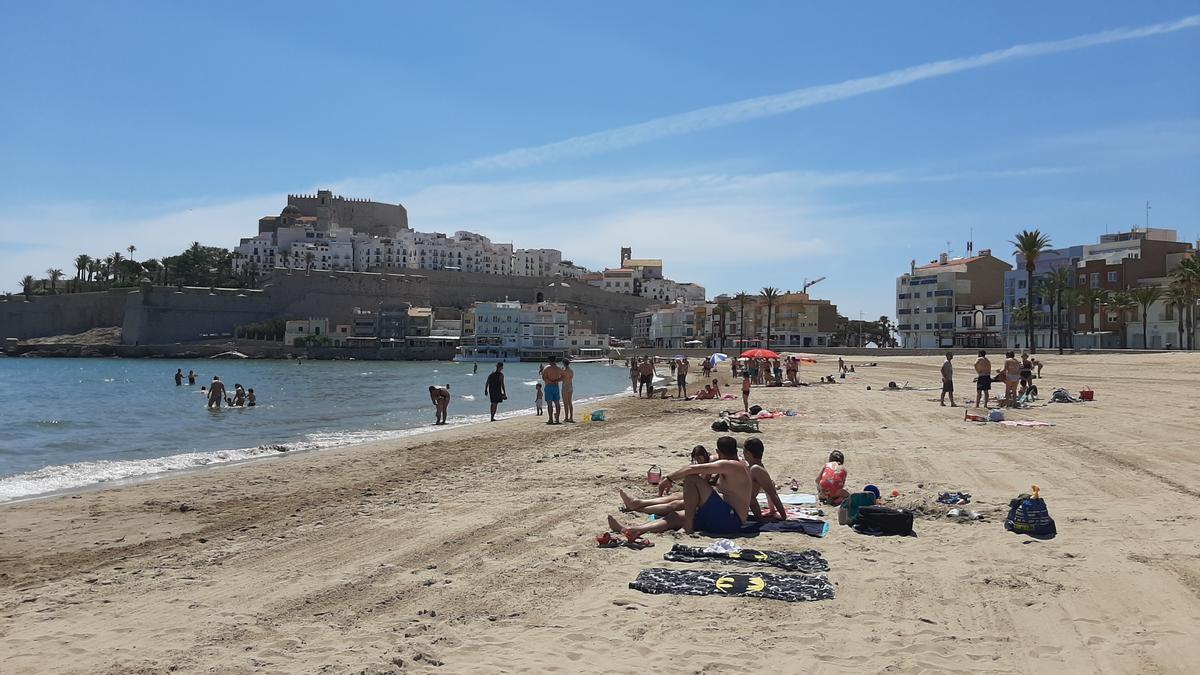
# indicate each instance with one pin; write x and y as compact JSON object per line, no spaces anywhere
{"x":552,"y":375}
{"x":707,"y":508}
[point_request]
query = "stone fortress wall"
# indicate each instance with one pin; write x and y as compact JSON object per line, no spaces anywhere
{"x":166,"y":315}
{"x":361,"y":215}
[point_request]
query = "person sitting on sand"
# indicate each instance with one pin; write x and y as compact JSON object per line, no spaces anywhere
{"x":761,"y":481}
{"x":441,"y":402}
{"x":704,"y":394}
{"x":1026,"y":373}
{"x":666,"y":501}
{"x":831,"y":482}
{"x":719,"y":509}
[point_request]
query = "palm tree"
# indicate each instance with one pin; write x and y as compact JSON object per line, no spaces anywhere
{"x":81,"y":263}
{"x":114,"y":265}
{"x":27,"y":283}
{"x":742,"y":297}
{"x":770,"y":293}
{"x":131,"y":248}
{"x":1059,"y":281}
{"x":1146,"y":296}
{"x":1024,"y":314}
{"x":1121,"y":302}
{"x":1177,"y":295}
{"x":1029,"y":244}
{"x":1187,"y":275}
{"x":54,"y":274}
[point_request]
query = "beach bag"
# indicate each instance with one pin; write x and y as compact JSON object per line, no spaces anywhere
{"x":755,"y":409}
{"x":996,"y":416}
{"x":849,"y":510}
{"x":884,"y":521}
{"x":720,"y":425}
{"x":598,"y":415}
{"x":1027,"y":514}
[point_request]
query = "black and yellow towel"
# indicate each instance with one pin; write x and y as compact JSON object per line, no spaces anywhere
{"x":792,"y":561}
{"x":788,"y":587}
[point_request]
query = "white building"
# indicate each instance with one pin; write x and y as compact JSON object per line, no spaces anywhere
{"x":536,"y":262}
{"x":544,"y":328}
{"x":497,"y":337}
{"x":300,"y":330}
{"x":671,"y":325}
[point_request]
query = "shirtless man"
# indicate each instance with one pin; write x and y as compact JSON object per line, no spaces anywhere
{"x":216,"y":393}
{"x":179,"y":377}
{"x":1012,"y":376}
{"x":493,"y":388}
{"x":568,"y":392}
{"x":191,"y":378}
{"x":646,"y":377}
{"x":983,"y":379}
{"x":948,"y":381}
{"x":552,"y":375}
{"x":635,"y":374}
{"x":761,"y":481}
{"x":441,"y":402}
{"x":714,"y":510}
{"x":681,"y":378}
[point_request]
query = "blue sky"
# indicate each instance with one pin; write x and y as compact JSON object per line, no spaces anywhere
{"x":739,"y":143}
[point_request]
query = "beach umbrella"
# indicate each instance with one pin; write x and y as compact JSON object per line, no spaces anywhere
{"x":759,"y":353}
{"x":717,"y":358}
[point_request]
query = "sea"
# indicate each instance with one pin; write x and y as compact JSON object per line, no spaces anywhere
{"x":71,"y":423}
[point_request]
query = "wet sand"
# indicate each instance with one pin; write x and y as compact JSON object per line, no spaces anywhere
{"x":471,"y":550}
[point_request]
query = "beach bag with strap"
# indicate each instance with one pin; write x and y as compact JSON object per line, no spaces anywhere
{"x":1027,"y":514}
{"x":884,"y":521}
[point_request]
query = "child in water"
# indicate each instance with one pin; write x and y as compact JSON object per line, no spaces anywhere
{"x":250,"y":398}
{"x":538,"y":398}
{"x":831,"y":482}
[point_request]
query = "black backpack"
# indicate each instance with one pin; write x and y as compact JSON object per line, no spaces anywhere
{"x":882,"y":520}
{"x":755,"y":409}
{"x":720,"y":425}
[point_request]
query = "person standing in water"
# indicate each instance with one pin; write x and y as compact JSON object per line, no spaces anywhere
{"x":568,"y":392}
{"x":475,"y":368}
{"x":441,"y":402}
{"x":191,"y":378}
{"x":216,"y":393}
{"x":494,"y":388}
{"x":179,"y":377}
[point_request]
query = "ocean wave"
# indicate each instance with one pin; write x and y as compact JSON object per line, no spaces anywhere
{"x":64,"y":477}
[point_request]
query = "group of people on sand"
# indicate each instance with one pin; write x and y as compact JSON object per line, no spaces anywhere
{"x":556,"y":391}
{"x":216,"y":393}
{"x":720,"y":496}
{"x":1016,"y":374}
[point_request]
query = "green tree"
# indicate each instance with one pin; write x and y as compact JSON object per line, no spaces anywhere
{"x":27,"y":283}
{"x":1058,"y":281}
{"x":131,"y":248}
{"x":54,"y":274}
{"x":1178,"y":297}
{"x":1145,"y":296}
{"x":1187,"y":276}
{"x":1122,"y":302}
{"x":769,"y":293}
{"x":1029,"y":244}
{"x":722,"y":310}
{"x":742,"y":297}
{"x":81,"y":264}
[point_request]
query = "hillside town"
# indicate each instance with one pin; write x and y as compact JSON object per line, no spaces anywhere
{"x":1123,"y":291}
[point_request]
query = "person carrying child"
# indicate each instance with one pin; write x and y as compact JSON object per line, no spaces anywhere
{"x":831,"y":482}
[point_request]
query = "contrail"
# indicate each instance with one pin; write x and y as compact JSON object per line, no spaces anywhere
{"x":777,"y":104}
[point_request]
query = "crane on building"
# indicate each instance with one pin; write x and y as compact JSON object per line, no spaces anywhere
{"x":814,"y":282}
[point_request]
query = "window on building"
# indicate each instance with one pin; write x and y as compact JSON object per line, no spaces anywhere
{"x":1020,"y":283}
{"x":989,"y":320}
{"x":1082,"y":280}
{"x":1095,"y":280}
{"x":1112,"y":277}
{"x":1083,"y":318}
{"x":966,"y":321}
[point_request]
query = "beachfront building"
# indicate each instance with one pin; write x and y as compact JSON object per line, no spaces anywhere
{"x":797,"y":320}
{"x":1016,"y":294}
{"x":544,"y":327}
{"x":1166,"y":328}
{"x":640,"y":334}
{"x":979,"y":326}
{"x":497,"y":332}
{"x":927,"y":295}
{"x":299,"y":332}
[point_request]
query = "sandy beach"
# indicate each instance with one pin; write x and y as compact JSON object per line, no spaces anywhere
{"x":472,"y":550}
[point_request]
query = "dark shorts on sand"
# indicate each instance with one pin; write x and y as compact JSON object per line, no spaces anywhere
{"x":948,"y":386}
{"x":983,"y":383}
{"x":716,"y":517}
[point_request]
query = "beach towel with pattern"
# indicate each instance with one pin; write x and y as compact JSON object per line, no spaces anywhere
{"x":793,"y":561}
{"x":787,"y":587}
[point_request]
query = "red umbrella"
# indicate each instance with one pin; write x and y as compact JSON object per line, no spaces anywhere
{"x":759,"y":354}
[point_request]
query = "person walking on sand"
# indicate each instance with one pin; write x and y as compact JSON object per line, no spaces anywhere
{"x":216,"y":393}
{"x":634,"y":375}
{"x":746,"y":390}
{"x":179,"y":377}
{"x":494,"y":388}
{"x":646,"y":377}
{"x":568,"y":392}
{"x":441,"y":403}
{"x":948,"y":381}
{"x":681,"y":372}
{"x":552,"y":376}
{"x":983,"y":378}
{"x":538,"y":399}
